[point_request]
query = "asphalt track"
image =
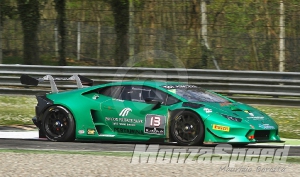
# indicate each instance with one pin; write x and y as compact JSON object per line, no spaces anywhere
{"x":43,"y":144}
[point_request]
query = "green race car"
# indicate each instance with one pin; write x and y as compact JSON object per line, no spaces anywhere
{"x":148,"y":111}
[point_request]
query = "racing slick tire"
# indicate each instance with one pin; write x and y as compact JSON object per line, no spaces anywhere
{"x":187,"y":128}
{"x":58,"y":124}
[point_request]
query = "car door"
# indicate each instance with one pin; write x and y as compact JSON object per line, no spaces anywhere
{"x":130,"y":114}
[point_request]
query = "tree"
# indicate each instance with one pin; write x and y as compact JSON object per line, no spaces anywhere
{"x":281,"y":38}
{"x":29,"y":13}
{"x":6,"y":10}
{"x":204,"y":42}
{"x":121,"y":16}
{"x":60,"y":7}
{"x":1,"y":24}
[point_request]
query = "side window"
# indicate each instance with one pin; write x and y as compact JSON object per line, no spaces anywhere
{"x":133,"y":93}
{"x":139,"y":93}
{"x":171,"y":100}
{"x":112,"y":91}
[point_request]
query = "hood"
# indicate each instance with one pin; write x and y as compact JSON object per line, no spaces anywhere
{"x":248,"y":114}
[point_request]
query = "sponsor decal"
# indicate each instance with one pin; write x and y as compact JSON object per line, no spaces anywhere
{"x":130,"y":120}
{"x":207,"y":110}
{"x":222,"y":154}
{"x":125,"y":130}
{"x":155,"y":124}
{"x":178,"y":86}
{"x":221,"y":128}
{"x":90,"y":131}
{"x":172,"y":90}
{"x":266,"y":126}
{"x":125,"y":112}
{"x":253,"y":116}
{"x":124,"y":121}
{"x":250,"y":113}
{"x":256,"y":117}
{"x":80,"y":131}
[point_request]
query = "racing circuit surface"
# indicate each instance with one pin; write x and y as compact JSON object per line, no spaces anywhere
{"x":43,"y":144}
{"x":15,"y":138}
{"x":26,"y":164}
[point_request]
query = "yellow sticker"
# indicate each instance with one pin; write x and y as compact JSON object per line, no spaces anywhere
{"x":90,"y":131}
{"x":172,"y":90}
{"x":221,"y":128}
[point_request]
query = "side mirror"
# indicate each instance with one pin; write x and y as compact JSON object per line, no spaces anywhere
{"x":151,"y":100}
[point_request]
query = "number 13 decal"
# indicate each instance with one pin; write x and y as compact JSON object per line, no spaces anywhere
{"x":155,"y":121}
{"x":155,"y":124}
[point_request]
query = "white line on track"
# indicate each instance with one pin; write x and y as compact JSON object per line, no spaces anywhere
{"x":20,"y":135}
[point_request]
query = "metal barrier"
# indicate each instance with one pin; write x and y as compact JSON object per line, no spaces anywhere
{"x":255,"y":87}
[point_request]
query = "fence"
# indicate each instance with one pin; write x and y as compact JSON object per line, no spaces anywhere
{"x":254,"y":87}
{"x":242,"y":35}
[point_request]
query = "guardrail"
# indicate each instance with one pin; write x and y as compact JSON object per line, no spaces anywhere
{"x":254,"y":87}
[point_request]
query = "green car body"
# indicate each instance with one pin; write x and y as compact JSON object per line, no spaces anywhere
{"x":100,"y":113}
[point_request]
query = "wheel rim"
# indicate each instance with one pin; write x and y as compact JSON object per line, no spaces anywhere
{"x":57,"y":123}
{"x":187,"y":128}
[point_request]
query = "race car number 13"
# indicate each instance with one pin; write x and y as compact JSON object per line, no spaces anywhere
{"x":155,"y":124}
{"x":155,"y":121}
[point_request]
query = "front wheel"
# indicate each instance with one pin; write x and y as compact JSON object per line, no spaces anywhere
{"x":187,"y":128}
{"x":58,"y":124}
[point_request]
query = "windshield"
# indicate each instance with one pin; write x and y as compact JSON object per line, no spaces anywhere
{"x":196,"y":94}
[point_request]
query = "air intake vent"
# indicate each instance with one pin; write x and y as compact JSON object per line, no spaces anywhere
{"x":192,"y":105}
{"x":262,"y":134}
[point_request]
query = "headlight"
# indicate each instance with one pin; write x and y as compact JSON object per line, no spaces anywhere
{"x":232,"y":118}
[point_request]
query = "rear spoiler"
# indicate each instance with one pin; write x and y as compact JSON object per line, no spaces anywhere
{"x":80,"y":80}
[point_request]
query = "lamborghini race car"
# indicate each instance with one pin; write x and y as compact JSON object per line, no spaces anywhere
{"x":147,"y":111}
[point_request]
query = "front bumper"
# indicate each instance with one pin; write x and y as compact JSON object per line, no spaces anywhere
{"x":242,"y":136}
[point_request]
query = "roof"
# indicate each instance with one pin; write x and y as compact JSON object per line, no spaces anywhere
{"x":146,"y":83}
{"x":132,"y":82}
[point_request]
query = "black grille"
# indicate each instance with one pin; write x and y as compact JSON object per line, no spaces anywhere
{"x":262,"y":134}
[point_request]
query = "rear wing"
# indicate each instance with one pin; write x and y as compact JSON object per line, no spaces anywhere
{"x":80,"y":80}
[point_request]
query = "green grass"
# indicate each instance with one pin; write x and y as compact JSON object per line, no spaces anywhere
{"x":294,"y":159}
{"x":20,"y":110}
{"x":34,"y":151}
{"x":288,"y":119}
{"x":16,"y":109}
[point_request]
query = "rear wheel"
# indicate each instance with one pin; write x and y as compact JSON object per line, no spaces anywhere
{"x":58,"y":124}
{"x":187,"y":128}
